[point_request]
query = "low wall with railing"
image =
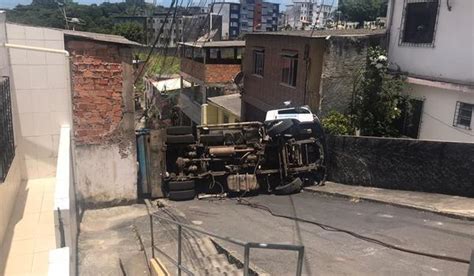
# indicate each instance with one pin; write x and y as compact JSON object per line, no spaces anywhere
{"x":62,"y":261}
{"x":8,"y":196}
{"x":403,"y":164}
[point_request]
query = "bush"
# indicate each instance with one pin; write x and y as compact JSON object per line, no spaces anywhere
{"x":337,"y":124}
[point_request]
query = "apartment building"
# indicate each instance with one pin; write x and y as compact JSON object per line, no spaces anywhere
{"x":258,"y":15}
{"x":431,"y":41}
{"x":307,"y":14}
{"x":230,"y":13}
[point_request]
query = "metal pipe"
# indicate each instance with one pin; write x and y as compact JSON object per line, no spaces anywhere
{"x":246,"y":259}
{"x":152,"y":237}
{"x":40,"y":49}
{"x":299,"y":264}
{"x":179,"y":250}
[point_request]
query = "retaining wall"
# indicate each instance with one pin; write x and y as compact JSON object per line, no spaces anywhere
{"x":403,"y":164}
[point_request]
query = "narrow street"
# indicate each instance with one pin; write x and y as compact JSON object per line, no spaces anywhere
{"x":330,"y":252}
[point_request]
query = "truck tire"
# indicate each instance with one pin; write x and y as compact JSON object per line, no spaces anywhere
{"x":212,"y":139}
{"x":180,"y":139}
{"x":279,"y":127}
{"x":292,"y":187}
{"x":179,"y":130}
{"x":182,"y":195}
{"x":181,"y":185}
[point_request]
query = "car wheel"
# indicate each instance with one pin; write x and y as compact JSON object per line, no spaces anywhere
{"x":181,"y":185}
{"x":291,"y":187}
{"x":180,"y":139}
{"x":279,"y":127}
{"x":179,"y":130}
{"x":182,"y":195}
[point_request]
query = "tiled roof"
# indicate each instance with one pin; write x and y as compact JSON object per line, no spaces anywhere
{"x":101,"y":37}
{"x":324,"y":33}
{"x":213,"y":44}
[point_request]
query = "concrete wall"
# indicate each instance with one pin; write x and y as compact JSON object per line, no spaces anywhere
{"x":344,"y":59}
{"x":402,"y":164}
{"x":41,"y":97}
{"x":215,"y":114}
{"x":439,"y":107}
{"x":8,"y":192}
{"x":452,"y":56}
{"x":104,"y":136}
{"x":65,"y":210}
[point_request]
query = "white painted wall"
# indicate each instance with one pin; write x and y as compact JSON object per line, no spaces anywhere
{"x":41,"y":85}
{"x":438,"y":113}
{"x":9,"y":188}
{"x":452,"y":56}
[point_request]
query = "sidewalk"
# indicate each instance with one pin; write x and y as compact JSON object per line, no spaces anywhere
{"x":455,"y":206}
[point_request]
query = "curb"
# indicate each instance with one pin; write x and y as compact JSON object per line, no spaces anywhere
{"x":419,"y":208}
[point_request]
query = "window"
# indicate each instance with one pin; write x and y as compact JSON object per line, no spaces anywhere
{"x":463,"y":115}
{"x":289,"y":67}
{"x":226,"y":119}
{"x":419,"y":22}
{"x":258,"y":62}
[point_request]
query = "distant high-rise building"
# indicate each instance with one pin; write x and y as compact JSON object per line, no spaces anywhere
{"x":258,"y":15}
{"x":230,"y":13}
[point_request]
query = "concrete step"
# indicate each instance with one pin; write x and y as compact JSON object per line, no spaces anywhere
{"x":212,"y":261}
{"x":198,"y":247}
{"x":229,"y":270}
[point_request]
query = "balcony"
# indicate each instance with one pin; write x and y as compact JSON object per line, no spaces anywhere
{"x":214,"y":62}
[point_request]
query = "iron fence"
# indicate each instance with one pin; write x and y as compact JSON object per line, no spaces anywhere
{"x":246,"y":245}
{"x":7,"y":143}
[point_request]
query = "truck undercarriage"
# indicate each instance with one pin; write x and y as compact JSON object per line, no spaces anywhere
{"x":281,"y":156}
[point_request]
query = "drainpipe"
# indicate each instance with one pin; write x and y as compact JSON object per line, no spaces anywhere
{"x":391,"y":6}
{"x":40,"y":49}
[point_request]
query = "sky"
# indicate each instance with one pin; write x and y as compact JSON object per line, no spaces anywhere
{"x":12,"y":3}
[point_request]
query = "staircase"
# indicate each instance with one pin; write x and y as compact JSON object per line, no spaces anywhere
{"x":199,"y":253}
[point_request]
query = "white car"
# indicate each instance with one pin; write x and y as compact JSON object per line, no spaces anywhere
{"x":301,"y":114}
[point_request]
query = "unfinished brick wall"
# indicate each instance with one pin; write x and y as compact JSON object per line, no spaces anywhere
{"x":210,"y":73}
{"x":97,"y":90}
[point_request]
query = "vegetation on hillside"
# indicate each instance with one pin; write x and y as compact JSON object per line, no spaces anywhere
{"x":362,"y":10}
{"x":101,"y":18}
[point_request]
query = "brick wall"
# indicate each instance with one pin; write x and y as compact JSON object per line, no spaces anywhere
{"x":210,"y":73}
{"x":218,"y":73}
{"x":97,"y":90}
{"x":267,"y":92}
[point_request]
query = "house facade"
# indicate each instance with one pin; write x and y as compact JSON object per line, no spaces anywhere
{"x":210,"y":68}
{"x":304,"y":67}
{"x":432,"y":42}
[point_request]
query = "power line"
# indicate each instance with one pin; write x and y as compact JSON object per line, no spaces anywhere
{"x":173,"y":2}
{"x":327,"y":227}
{"x":436,"y":119}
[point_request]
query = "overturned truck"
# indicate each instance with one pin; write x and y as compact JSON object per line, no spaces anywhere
{"x":281,"y":155}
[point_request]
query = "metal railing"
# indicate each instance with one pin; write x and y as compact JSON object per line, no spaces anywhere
{"x":7,"y":143}
{"x":246,"y":245}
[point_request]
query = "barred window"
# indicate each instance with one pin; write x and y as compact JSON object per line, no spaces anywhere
{"x":289,"y":68}
{"x":463,"y":115}
{"x":419,"y":22}
{"x":258,"y":62}
{"x":7,"y":143}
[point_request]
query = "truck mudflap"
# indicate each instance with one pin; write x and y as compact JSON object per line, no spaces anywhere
{"x":242,"y":182}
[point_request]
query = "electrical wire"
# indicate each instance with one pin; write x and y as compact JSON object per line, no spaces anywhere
{"x":436,"y":119}
{"x":330,"y":228}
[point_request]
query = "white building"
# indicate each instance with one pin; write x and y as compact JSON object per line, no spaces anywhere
{"x":306,"y":14}
{"x":433,"y":42}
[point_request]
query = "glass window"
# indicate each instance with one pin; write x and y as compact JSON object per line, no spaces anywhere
{"x":420,"y":21}
{"x":289,"y":67}
{"x":258,"y":62}
{"x":463,"y":115}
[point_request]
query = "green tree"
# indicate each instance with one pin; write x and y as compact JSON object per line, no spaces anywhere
{"x":336,"y":123}
{"x":377,"y":97}
{"x":130,"y":30}
{"x":362,"y":10}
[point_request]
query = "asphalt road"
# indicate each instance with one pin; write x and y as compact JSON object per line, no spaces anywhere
{"x":335,"y":253}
